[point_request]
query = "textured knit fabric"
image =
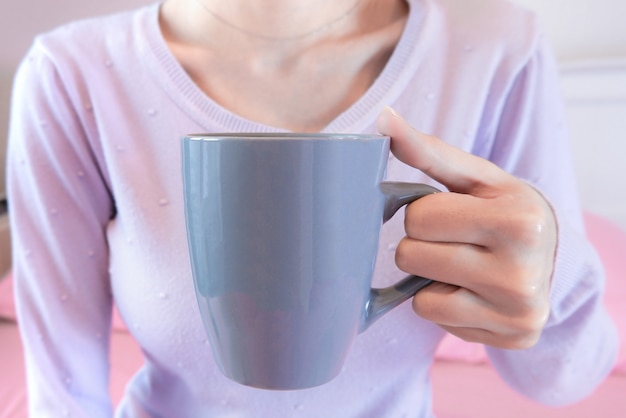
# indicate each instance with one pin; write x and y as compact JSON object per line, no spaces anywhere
{"x":95,"y":194}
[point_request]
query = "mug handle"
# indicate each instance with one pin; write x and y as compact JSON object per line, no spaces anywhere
{"x":381,"y":301}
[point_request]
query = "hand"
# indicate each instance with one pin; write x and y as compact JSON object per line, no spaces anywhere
{"x":489,"y":244}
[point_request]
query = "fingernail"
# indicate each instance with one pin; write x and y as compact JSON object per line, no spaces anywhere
{"x":384,"y":121}
{"x":392,"y":111}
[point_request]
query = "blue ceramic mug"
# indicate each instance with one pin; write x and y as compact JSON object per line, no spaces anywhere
{"x":283,"y":231}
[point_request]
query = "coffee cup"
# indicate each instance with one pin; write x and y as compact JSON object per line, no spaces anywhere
{"x":283,"y":231}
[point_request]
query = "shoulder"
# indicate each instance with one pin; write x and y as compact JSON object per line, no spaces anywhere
{"x":501,"y":25}
{"x":86,"y":39}
{"x":496,"y":15}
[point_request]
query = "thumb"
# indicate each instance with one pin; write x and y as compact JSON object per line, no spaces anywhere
{"x":456,"y":169}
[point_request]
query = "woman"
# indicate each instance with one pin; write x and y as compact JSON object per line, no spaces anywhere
{"x":95,"y":194}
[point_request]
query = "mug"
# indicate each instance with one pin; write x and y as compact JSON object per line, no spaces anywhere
{"x":283,"y":232}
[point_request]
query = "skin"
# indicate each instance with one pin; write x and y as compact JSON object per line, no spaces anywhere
{"x":297,"y":84}
{"x":489,"y":244}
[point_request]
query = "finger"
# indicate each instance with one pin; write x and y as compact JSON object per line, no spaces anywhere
{"x":455,"y":217}
{"x":506,"y":282}
{"x":456,"y":169}
{"x":464,"y":314}
{"x":463,"y":265}
{"x":514,"y":225}
{"x":508,"y":341}
{"x":451,"y":306}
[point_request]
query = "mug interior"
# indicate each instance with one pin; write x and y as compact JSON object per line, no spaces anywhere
{"x":281,"y":136}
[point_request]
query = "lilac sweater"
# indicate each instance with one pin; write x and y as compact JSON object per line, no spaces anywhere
{"x":96,"y":212}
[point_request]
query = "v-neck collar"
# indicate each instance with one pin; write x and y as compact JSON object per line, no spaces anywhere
{"x":359,"y":117}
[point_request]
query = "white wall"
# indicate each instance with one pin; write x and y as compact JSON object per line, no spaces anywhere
{"x":21,"y":21}
{"x":582,"y":29}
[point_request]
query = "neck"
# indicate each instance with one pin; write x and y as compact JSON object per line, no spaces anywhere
{"x":298,"y":84}
{"x":279,"y":20}
{"x":273,"y":25}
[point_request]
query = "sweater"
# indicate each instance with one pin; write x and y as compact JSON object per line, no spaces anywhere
{"x":95,"y":194}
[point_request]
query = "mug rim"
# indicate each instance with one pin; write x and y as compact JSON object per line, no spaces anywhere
{"x":245,"y":136}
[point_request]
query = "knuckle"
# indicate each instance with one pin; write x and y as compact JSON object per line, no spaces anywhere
{"x":524,"y":341}
{"x":526,"y":329}
{"x":534,"y":322}
{"x":526,"y":290}
{"x":527,"y":228}
{"x":527,"y":223}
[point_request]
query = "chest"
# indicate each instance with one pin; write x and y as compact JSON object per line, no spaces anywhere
{"x":302,"y":91}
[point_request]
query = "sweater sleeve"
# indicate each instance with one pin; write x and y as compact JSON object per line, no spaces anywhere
{"x":579,"y":343}
{"x":59,"y":209}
